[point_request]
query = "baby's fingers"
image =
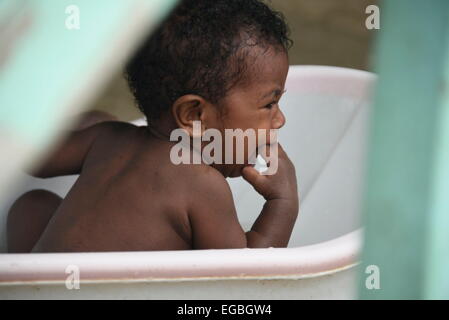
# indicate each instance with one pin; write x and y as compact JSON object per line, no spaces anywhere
{"x":252,"y":176}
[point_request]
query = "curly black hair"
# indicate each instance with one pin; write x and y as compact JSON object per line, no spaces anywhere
{"x":199,"y":49}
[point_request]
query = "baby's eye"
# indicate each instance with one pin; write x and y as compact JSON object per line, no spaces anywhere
{"x":271,"y":105}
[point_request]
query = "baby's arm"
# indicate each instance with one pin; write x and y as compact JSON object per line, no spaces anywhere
{"x":212,"y":215}
{"x":214,"y":219}
{"x":275,"y":223}
{"x":68,"y":157}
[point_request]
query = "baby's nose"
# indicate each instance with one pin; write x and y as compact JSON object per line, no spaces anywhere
{"x":278,"y":120}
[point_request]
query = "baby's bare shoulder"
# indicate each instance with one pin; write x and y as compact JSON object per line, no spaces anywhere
{"x":202,"y":185}
{"x":115,"y":134}
{"x":207,"y":179}
{"x":210,"y":188}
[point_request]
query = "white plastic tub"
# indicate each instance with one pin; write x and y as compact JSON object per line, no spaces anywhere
{"x":326,"y":110}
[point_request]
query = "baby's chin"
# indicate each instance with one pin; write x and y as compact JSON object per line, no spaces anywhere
{"x":237,"y":168}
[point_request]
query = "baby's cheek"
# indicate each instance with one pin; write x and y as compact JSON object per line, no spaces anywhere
{"x":263,"y":137}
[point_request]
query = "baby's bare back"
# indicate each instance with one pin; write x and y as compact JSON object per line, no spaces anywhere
{"x":129,"y":196}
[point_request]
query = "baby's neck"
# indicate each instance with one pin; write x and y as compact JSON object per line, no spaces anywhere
{"x":158,"y":134}
{"x":162,"y":127}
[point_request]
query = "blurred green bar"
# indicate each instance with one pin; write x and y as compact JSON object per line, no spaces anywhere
{"x":404,"y":204}
{"x":49,"y":68}
{"x":437,"y":260}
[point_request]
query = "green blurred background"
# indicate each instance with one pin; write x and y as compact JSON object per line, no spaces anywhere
{"x":325,"y":32}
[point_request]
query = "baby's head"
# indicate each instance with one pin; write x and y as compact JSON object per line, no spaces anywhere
{"x":222,"y":62}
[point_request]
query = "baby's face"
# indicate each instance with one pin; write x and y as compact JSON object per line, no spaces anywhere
{"x":255,"y":105}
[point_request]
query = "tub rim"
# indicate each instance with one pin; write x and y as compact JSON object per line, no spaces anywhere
{"x":310,"y":261}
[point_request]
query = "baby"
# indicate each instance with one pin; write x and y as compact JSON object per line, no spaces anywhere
{"x":221,"y":62}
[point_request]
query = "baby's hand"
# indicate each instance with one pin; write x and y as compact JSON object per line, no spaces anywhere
{"x":281,"y":185}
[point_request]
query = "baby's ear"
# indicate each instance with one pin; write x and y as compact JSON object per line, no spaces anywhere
{"x":190,"y":108}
